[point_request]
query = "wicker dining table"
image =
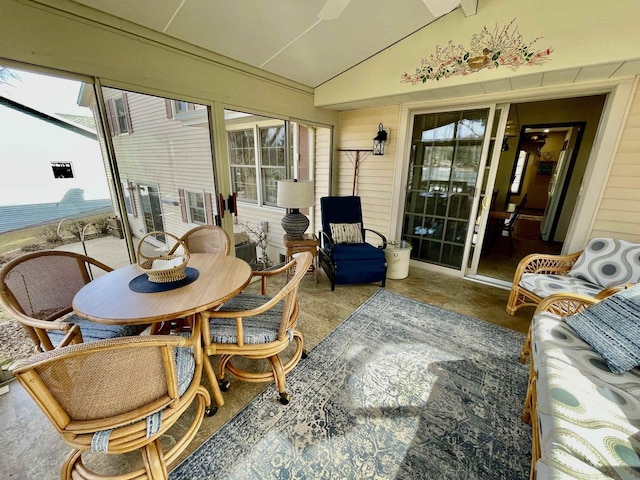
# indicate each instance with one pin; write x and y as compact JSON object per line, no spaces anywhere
{"x":110,"y":300}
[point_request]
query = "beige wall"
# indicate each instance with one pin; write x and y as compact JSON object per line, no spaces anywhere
{"x":376,"y":173}
{"x":580,"y":32}
{"x":619,"y":212}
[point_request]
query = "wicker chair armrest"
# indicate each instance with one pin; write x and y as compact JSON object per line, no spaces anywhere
{"x":544,"y":263}
{"x":607,"y":292}
{"x":244,"y":313}
{"x":74,"y":333}
{"x":382,"y":237}
{"x":42,"y":324}
{"x":264,"y":274}
{"x":565,"y":304}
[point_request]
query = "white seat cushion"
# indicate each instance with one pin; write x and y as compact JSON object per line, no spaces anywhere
{"x":544,"y":285}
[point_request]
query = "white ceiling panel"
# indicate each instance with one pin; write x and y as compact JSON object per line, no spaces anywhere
{"x":284,"y":37}
{"x":155,"y":18}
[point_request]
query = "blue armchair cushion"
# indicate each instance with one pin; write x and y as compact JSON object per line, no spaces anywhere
{"x":357,"y":252}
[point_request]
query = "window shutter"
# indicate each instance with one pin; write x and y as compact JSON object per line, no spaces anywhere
{"x":126,"y":111}
{"x":167,"y":106}
{"x":183,"y":205}
{"x":111,"y":118}
{"x":208,"y":207}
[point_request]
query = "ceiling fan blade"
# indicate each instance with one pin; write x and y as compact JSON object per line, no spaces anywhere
{"x":332,"y":9}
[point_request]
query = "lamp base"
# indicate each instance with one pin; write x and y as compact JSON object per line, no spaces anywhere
{"x":295,"y":223}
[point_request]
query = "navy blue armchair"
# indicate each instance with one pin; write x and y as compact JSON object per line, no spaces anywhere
{"x":344,"y":254}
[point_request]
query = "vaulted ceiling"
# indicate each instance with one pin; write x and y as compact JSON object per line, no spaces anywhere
{"x":302,"y":40}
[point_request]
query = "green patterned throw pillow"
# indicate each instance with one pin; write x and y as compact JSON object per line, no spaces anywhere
{"x":346,"y":232}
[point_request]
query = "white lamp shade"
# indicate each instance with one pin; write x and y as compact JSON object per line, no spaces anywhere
{"x":295,"y":194}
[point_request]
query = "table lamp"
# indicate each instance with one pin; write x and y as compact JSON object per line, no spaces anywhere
{"x":294,"y":195}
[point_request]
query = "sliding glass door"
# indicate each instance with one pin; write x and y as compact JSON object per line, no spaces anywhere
{"x":446,"y":158}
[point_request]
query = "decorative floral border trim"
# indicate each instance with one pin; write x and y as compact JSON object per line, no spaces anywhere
{"x":503,"y":46}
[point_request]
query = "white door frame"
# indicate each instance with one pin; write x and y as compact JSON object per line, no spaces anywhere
{"x":619,"y":95}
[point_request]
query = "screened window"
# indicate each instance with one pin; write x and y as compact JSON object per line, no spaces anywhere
{"x":195,"y":202}
{"x":242,"y":159}
{"x":273,"y":166}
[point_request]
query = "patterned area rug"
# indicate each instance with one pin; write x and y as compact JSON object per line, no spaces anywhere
{"x":400,"y":390}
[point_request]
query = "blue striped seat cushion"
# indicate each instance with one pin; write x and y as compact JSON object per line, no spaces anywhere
{"x":92,"y":331}
{"x":612,"y":328}
{"x":262,"y":328}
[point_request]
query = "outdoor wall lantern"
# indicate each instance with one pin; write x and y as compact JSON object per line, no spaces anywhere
{"x":379,"y":141}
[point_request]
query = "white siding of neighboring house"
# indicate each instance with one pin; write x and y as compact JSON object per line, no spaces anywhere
{"x":619,"y":212}
{"x":28,"y":145}
{"x":376,"y":173}
{"x":165,"y":153}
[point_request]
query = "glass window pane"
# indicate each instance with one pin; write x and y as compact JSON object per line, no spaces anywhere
{"x":444,"y":162}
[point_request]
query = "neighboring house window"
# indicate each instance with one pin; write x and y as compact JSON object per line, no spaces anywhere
{"x":62,"y":170}
{"x":518,"y":172}
{"x":242,"y":159}
{"x":118,"y":115}
{"x":273,"y":166}
{"x":175,"y":108}
{"x":195,"y":207}
{"x":181,"y":107}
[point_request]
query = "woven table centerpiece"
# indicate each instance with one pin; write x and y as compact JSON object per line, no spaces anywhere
{"x":169,"y":267}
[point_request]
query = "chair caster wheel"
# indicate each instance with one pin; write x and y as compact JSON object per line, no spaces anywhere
{"x":210,"y":412}
{"x":305,"y":354}
{"x":224,"y":385}
{"x":284,"y":398}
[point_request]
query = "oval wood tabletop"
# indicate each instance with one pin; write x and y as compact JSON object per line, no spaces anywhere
{"x":109,"y":300}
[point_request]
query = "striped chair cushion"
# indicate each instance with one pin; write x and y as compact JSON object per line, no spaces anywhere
{"x":261,"y":328}
{"x":92,"y":331}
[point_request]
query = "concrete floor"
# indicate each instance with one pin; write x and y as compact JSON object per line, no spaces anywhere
{"x":31,"y":448}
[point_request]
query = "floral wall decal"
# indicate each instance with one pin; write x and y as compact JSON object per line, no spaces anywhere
{"x":501,"y":47}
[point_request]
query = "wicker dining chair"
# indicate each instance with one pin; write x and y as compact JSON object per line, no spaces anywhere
{"x":258,"y":327}
{"x":117,"y":396}
{"x":206,"y":239}
{"x":37,"y":289}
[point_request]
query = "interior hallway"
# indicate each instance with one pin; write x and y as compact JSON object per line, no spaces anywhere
{"x":31,"y":448}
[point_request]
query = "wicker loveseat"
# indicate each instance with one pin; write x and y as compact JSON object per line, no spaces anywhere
{"x":583,"y":401}
{"x":605,"y":266}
